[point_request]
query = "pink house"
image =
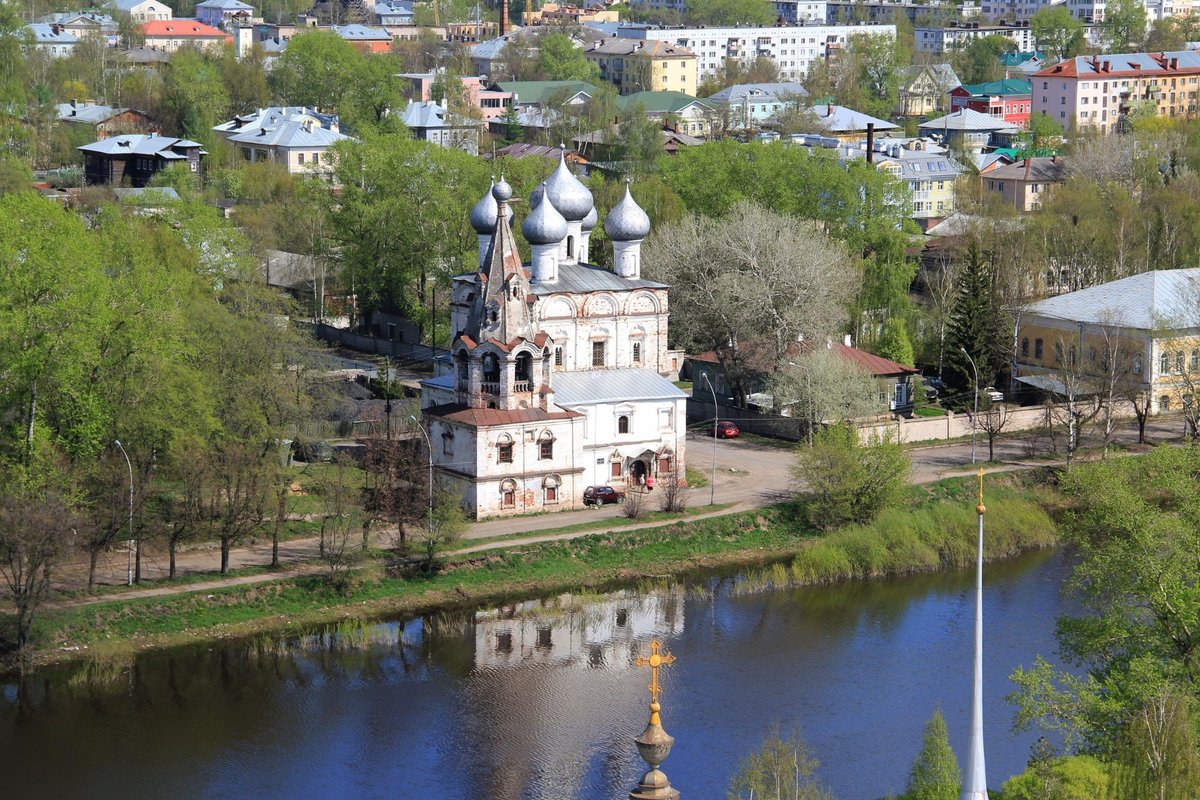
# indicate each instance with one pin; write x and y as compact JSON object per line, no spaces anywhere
{"x":492,"y":103}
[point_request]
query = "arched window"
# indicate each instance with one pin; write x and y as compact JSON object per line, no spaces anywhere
{"x":1137,"y":365}
{"x":623,"y":423}
{"x":1195,"y":360}
{"x":508,"y":494}
{"x":1164,"y":403}
{"x":546,"y":447}
{"x":550,"y":489}
{"x":1025,"y":347}
{"x":1164,"y":363}
{"x":504,"y":449}
{"x":524,"y":366}
{"x":491,"y":368}
{"x":570,"y":247}
{"x":460,"y":364}
{"x":1179,"y":361}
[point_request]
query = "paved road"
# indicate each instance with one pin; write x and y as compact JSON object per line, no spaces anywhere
{"x":749,"y":474}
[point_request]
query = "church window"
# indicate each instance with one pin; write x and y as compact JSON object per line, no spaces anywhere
{"x":491,"y":368}
{"x":524,"y":366}
{"x":570,"y":247}
{"x":637,"y":352}
{"x":1058,"y":352}
{"x":599,"y":353}
{"x":505,"y":450}
{"x":558,"y":356}
{"x":623,"y":423}
{"x":546,"y":449}
{"x":616,"y":469}
{"x":1164,"y":403}
{"x":508,"y":494}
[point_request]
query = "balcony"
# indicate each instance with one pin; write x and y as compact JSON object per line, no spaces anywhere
{"x":523,"y":387}
{"x":490,"y":387}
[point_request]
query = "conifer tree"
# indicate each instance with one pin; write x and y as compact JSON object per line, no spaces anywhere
{"x":934,"y":774}
{"x":976,"y":325}
{"x":894,"y":342}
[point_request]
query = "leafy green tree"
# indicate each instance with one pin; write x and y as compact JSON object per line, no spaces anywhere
{"x":731,"y":12}
{"x":1069,"y":778}
{"x":316,"y":69}
{"x":783,"y":768}
{"x":894,"y":342}
{"x":373,"y":94}
{"x":1124,"y":25}
{"x":934,"y":774}
{"x":976,"y":326}
{"x":15,"y":175}
{"x":821,"y":386}
{"x":560,"y":60}
{"x":245,"y":78}
{"x":979,"y":61}
{"x":1156,"y":757}
{"x":194,"y":96}
{"x":1042,"y":136}
{"x":849,"y":482}
{"x":1057,"y":31}
{"x":513,"y":132}
{"x":640,"y":140}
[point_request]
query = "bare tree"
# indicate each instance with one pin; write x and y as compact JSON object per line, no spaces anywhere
{"x":1080,"y":404}
{"x":443,"y":528}
{"x":35,"y":529}
{"x":396,"y":489}
{"x":992,"y":420}
{"x":820,"y":386}
{"x":634,"y":506}
{"x":749,"y":285}
{"x":342,"y":511}
{"x":237,"y":494}
{"x":673,"y":498}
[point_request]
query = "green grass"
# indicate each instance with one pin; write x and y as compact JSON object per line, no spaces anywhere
{"x":933,"y":529}
{"x":695,"y":478}
{"x":685,"y":385}
{"x":929,"y":411}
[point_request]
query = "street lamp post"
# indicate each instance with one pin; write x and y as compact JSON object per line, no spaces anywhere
{"x":974,"y":419}
{"x":429,"y":446}
{"x":129,"y":547}
{"x":712,"y":495}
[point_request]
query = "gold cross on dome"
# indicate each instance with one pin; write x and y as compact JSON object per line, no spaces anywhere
{"x":658,"y":658}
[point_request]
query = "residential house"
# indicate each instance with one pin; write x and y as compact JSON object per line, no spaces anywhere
{"x":556,"y":376}
{"x":170,"y":35}
{"x":102,"y":121}
{"x":487,"y":55}
{"x":297,"y":141}
{"x":1149,"y":323}
{"x":51,"y":39}
{"x":139,"y":11}
{"x":433,"y":122}
{"x":969,"y":130}
{"x":633,"y":65}
{"x":683,"y":113}
{"x":894,"y":380}
{"x":929,"y":171}
{"x":132,"y":159}
{"x":923,"y":89}
{"x":519,"y":150}
{"x":749,"y":105}
{"x":1100,"y":91}
{"x":605,"y":151}
{"x":219,"y":12}
{"x":559,"y":14}
{"x":545,"y":93}
{"x":85,"y":23}
{"x":393,"y":13}
{"x":1023,"y":185}
{"x":491,"y":103}
{"x":145,"y":58}
{"x":1022,"y":65}
{"x":364,"y":38}
{"x":848,"y":125}
{"x":793,"y":48}
{"x":1010,"y":99}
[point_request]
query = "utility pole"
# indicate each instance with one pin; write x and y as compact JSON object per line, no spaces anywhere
{"x":129,"y":543}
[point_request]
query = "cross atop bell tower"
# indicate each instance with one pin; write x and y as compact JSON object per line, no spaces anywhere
{"x":654,"y":743}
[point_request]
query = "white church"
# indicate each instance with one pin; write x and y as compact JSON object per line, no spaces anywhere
{"x":556,"y":375}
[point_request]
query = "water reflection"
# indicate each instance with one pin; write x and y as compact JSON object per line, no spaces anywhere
{"x":540,"y":699}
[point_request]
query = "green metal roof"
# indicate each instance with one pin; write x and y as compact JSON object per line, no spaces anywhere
{"x":1005,"y":87}
{"x":538,"y":92}
{"x":659,"y":102}
{"x":1013,"y":59}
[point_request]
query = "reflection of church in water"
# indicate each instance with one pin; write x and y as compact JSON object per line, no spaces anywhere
{"x":556,"y":375}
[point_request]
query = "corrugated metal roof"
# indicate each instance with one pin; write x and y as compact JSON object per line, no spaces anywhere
{"x":290,"y":134}
{"x":137,"y":144}
{"x":93,"y":114}
{"x":479,"y":417}
{"x":839,"y":119}
{"x":966,"y":119}
{"x":1165,"y":298}
{"x":759,"y":92}
{"x":579,"y":278}
{"x":612,"y":386}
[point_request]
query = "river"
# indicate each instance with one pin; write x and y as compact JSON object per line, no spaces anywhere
{"x":539,"y":700}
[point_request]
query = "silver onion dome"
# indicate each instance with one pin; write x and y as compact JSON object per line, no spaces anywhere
{"x":591,"y":220}
{"x":536,"y":196}
{"x":544,"y":225}
{"x":486,"y":212}
{"x":502,"y":191}
{"x":569,"y":195}
{"x":627,"y":222}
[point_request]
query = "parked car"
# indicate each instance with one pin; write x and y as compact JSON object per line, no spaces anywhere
{"x":602,"y":496}
{"x":993,"y":394}
{"x":724,"y":429}
{"x":933,"y":388}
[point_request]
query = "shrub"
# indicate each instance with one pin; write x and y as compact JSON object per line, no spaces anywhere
{"x":849,"y":482}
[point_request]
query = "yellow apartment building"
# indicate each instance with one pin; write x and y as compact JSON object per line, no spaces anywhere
{"x":644,"y":65}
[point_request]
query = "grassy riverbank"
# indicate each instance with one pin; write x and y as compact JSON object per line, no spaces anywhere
{"x":934,"y":529}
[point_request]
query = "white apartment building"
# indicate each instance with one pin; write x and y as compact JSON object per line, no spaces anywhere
{"x":1019,"y":10}
{"x":795,"y":12}
{"x":956,"y":36}
{"x":794,"y":48}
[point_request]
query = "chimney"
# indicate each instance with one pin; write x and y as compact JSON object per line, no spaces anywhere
{"x":503,"y":17}
{"x":1028,"y":166}
{"x":870,"y":142}
{"x":829,"y":110}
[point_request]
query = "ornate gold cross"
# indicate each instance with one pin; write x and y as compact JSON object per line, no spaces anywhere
{"x":658,"y":658}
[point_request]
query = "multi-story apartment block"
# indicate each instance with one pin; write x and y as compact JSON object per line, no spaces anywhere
{"x":797,"y":11}
{"x":633,"y":66}
{"x":1017,"y":10}
{"x":1099,"y":91}
{"x":958,"y":35}
{"x":841,"y":12}
{"x":793,"y":48}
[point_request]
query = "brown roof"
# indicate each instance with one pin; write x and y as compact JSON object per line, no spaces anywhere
{"x":1044,"y":169}
{"x":483,"y":417}
{"x":878,"y":366}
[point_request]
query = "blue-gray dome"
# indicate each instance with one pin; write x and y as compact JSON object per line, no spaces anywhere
{"x":486,"y":212}
{"x":536,"y":196}
{"x":590,"y":221}
{"x":502,"y":191}
{"x":544,"y":225}
{"x":569,"y":195}
{"x":627,"y":222}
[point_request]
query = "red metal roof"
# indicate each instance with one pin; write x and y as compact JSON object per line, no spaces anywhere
{"x":876,"y":365}
{"x":484,"y":417}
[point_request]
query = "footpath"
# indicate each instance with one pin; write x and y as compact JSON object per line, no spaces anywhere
{"x":749,"y":475}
